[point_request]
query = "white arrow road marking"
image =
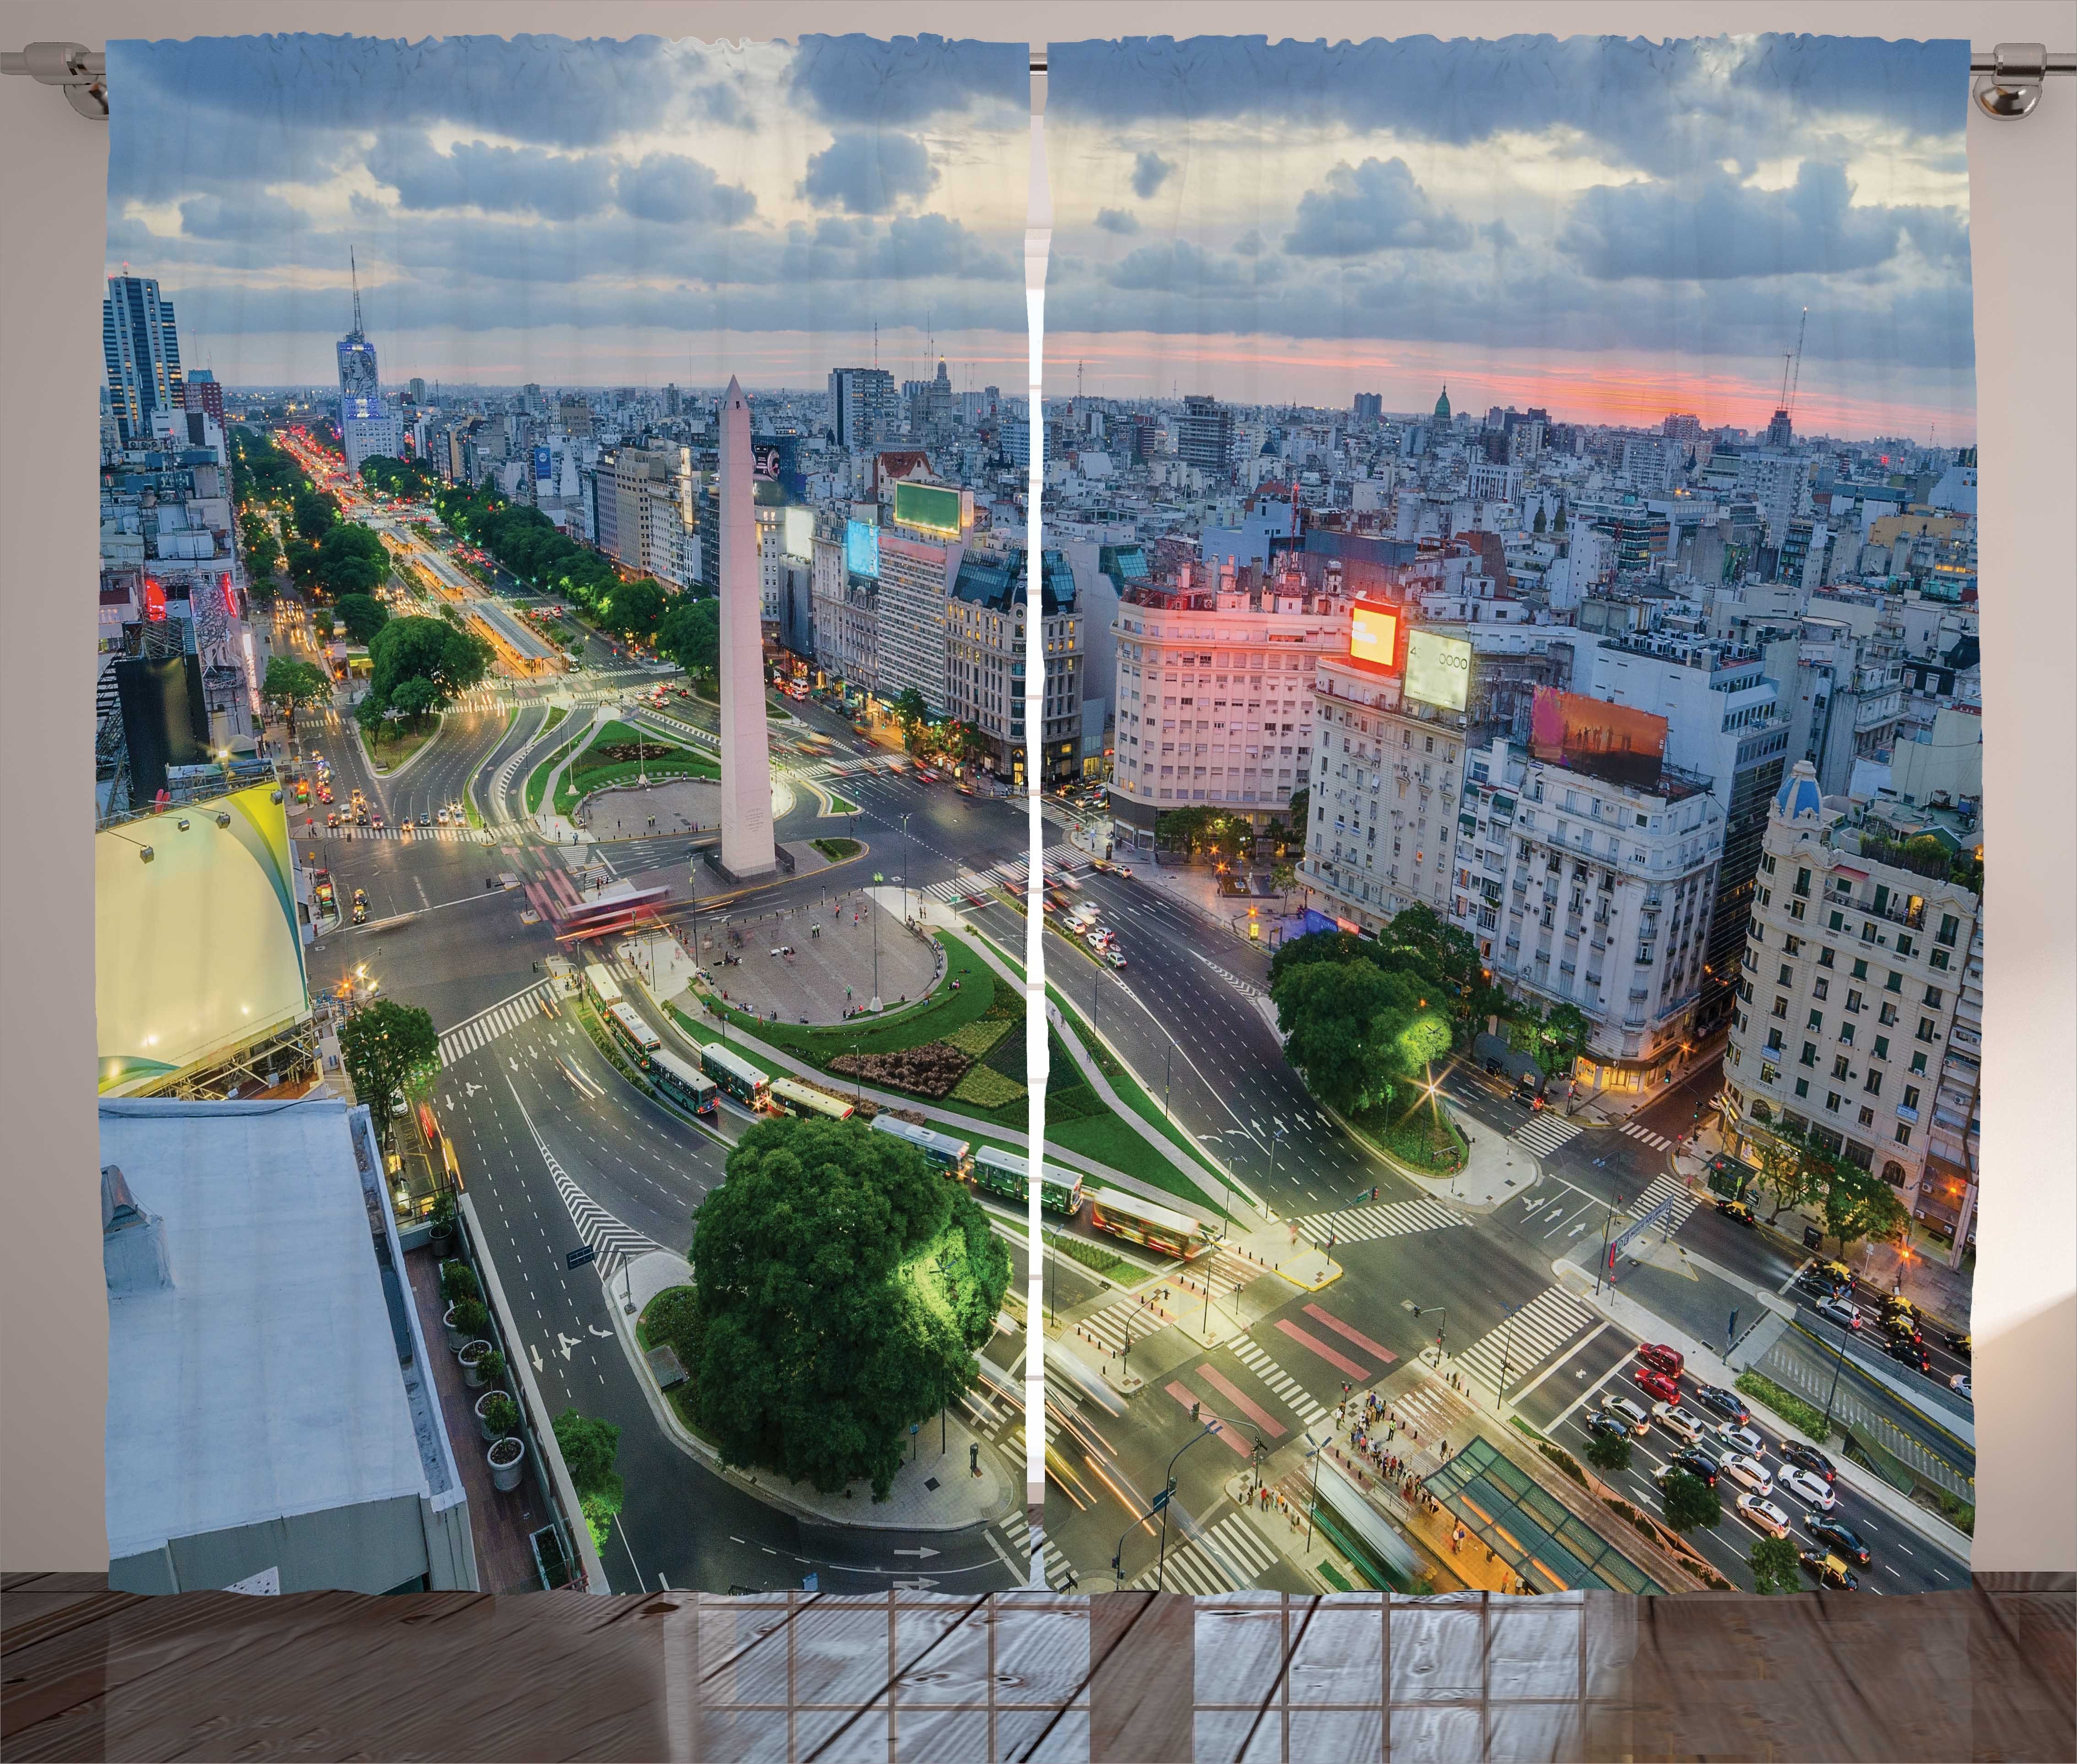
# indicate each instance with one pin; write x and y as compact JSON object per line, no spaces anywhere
{"x":468,"y":1090}
{"x":597,"y":1330}
{"x":566,"y":1343}
{"x":535,"y":1352}
{"x":918,"y":1585}
{"x":924,"y":1552}
{"x":512,"y":1063}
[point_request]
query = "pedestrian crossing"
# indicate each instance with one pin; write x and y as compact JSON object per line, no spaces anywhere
{"x":1209,"y":1561}
{"x":463,"y":1039}
{"x":1287,"y":1388}
{"x":1657,"y":1140}
{"x":449,"y":835}
{"x":1060,"y":1574}
{"x":1683,"y":1199}
{"x":1127,"y":1320}
{"x":1058,"y":860}
{"x":1518,"y":1345}
{"x":1389,"y":1219}
{"x":1546,"y":1132}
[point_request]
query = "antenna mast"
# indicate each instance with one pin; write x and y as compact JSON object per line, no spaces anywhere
{"x":353,"y":269}
{"x":1801,"y":325}
{"x":876,"y":345}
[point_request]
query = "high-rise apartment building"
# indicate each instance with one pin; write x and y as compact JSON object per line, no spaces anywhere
{"x":1859,"y":1017}
{"x":367,"y":428}
{"x":846,"y":610}
{"x":1205,"y":435}
{"x":202,"y":391}
{"x":1214,"y":695}
{"x":986,"y":664}
{"x":864,"y":409}
{"x":141,"y":346}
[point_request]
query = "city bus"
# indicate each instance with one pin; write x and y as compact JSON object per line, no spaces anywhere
{"x":682,"y":1084}
{"x":736,"y":1076}
{"x":604,"y":988}
{"x":636,"y":1035}
{"x":795,"y":1098}
{"x":1146,"y":1222}
{"x":940,"y":1150}
{"x":1006,"y":1173}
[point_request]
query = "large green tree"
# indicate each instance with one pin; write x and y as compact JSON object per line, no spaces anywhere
{"x":1691,"y":1504}
{"x":262,"y":551}
{"x":1858,"y":1203}
{"x":589,"y":1447}
{"x":363,"y":616}
{"x":313,"y":513}
{"x":1357,"y":1032}
{"x":689,"y":634}
{"x":633,"y":609}
{"x":383,"y":1045}
{"x":1792,"y":1177}
{"x":843,"y":1290}
{"x":351,"y":559}
{"x":293,"y":684}
{"x":1609,"y":1452}
{"x":416,"y":697}
{"x":429,"y":649}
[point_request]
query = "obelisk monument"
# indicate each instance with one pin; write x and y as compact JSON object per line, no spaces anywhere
{"x":747,"y":850}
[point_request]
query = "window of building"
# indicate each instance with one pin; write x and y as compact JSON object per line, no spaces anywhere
{"x":1808,"y":1057}
{"x":1845,"y":1034}
{"x":1803,"y":1086}
{"x":1839,"y":1069}
{"x":1786,"y":977}
{"x":1911,"y":1096}
{"x":1832,"y":1101}
{"x":1867,"y":1117}
{"x":1933,"y":996}
{"x":1887,"y":1015}
{"x":1882,"y":1047}
{"x":1918,"y":1064}
{"x":1781,"y":1007}
{"x":1822,"y":989}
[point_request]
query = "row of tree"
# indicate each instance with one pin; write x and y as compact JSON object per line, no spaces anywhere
{"x":390,"y":476}
{"x":944,"y":739}
{"x":324,"y":554}
{"x":416,"y":665}
{"x":1805,"y":1170}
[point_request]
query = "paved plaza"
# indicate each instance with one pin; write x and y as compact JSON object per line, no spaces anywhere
{"x":677,"y":805}
{"x":815,"y":963}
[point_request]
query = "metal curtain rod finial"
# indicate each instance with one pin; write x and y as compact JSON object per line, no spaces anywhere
{"x":2009,"y":85}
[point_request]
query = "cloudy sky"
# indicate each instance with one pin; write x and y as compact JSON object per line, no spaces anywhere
{"x":1612,"y":230}
{"x":578,"y":212}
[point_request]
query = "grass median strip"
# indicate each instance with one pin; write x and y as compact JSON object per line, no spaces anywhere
{"x":1802,"y":1416}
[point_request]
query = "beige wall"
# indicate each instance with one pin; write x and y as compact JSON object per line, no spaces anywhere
{"x":53,"y":1330}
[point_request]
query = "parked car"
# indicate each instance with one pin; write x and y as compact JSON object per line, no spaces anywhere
{"x":1843,"y":1538}
{"x":1794,"y":1451}
{"x":1830,"y":1571}
{"x":1838,"y":1311}
{"x":1740,"y":1438}
{"x":1658,"y":1385}
{"x":1737,"y":1212}
{"x":1662,"y":1359}
{"x":1683,"y":1424}
{"x":1726,"y":1403}
{"x":1632,"y":1415}
{"x":1748,"y":1472}
{"x":1813,"y":1490}
{"x":1601,"y":1421}
{"x":1762,"y":1515}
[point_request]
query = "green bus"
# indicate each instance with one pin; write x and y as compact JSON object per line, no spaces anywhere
{"x":737,"y":1077}
{"x":1008,"y":1174}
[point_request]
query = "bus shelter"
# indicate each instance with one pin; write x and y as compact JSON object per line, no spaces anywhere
{"x":1529,"y":1529}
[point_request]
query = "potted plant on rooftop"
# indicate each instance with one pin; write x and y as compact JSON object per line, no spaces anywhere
{"x":492,"y":1369}
{"x":468,"y":1320}
{"x":508,"y":1460}
{"x":472,"y":1356}
{"x":444,"y":1223}
{"x":498,"y":1415}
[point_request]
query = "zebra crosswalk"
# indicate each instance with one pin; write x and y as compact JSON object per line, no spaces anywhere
{"x":1126,"y":1321}
{"x":1546,"y":1132}
{"x":1516,"y":1346}
{"x":1389,"y":1219}
{"x":1059,"y":860}
{"x":1228,"y":1551}
{"x":1657,"y":1140}
{"x":463,"y":1039}
{"x":1664,"y":1188}
{"x":1060,"y":1574}
{"x":451,"y":835}
{"x":1287,"y":1388}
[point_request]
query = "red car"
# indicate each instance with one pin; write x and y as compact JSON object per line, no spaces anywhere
{"x":1666,"y":1390}
{"x":1661,"y":1358}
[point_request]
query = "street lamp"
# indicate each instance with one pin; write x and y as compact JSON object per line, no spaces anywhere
{"x":1161,"y":1506}
{"x":1838,"y":1364}
{"x":1312,"y":1504}
{"x":905,"y":873}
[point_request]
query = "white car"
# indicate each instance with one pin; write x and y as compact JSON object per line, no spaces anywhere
{"x":443,"y":817}
{"x":1959,"y":1385}
{"x":1685,"y":1424}
{"x":1809,"y":1488}
{"x":1763,"y":1516}
{"x":1740,"y":1439}
{"x":1749,"y":1473}
{"x":1629,"y":1413}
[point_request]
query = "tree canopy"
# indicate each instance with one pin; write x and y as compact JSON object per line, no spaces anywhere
{"x":1802,"y":1171}
{"x":399,"y":477}
{"x":1691,"y":1504}
{"x":842,"y":1289}
{"x":292,"y":684}
{"x":351,"y":559}
{"x":690,"y":635}
{"x":1609,"y":1453}
{"x":382,"y":1045}
{"x":536,"y":551}
{"x":363,"y":616}
{"x":313,"y":513}
{"x":452,"y":660}
{"x":1773,"y":1563}
{"x":1203,"y":829}
{"x":589,"y":1447}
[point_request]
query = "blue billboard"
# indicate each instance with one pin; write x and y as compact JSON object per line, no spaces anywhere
{"x":544,"y":464}
{"x":862,"y":549}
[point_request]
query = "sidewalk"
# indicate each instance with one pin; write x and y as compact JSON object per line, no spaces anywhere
{"x":1495,"y":1169}
{"x":933,"y":1490}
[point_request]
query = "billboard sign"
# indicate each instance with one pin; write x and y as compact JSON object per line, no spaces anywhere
{"x":1603,"y":740}
{"x":797,"y":534}
{"x":1439,"y":669}
{"x":930,"y":507}
{"x":544,"y":464}
{"x":1374,"y":636}
{"x":862,"y":549}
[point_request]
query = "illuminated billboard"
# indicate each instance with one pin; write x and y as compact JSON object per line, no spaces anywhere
{"x":1374,"y":636}
{"x":544,"y":464}
{"x":930,"y":507}
{"x":797,"y":534}
{"x":1603,"y":740}
{"x":862,"y":549}
{"x":1439,"y":669}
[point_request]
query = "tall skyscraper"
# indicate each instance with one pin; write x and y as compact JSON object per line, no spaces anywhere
{"x":142,"y":349}
{"x":366,"y":429}
{"x":863,"y":406}
{"x":1205,"y":435}
{"x":746,"y":849}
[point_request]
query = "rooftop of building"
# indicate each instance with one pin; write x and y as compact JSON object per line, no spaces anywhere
{"x":995,"y":581}
{"x":264,"y":1379}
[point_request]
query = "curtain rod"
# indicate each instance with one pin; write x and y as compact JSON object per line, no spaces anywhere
{"x":2009,"y":84}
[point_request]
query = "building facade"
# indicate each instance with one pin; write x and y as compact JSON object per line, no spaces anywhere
{"x":986,"y":666}
{"x":1860,"y":1011}
{"x":141,"y":345}
{"x":1214,"y":694}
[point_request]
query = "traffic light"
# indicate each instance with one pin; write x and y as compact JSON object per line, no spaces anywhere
{"x":1194,"y":1407}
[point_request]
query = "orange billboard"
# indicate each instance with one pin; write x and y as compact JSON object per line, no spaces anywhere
{"x":1374,"y":632}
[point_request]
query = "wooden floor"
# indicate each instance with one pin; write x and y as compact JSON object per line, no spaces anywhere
{"x":1989,"y":1675}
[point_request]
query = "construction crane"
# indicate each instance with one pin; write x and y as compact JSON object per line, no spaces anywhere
{"x":1791,"y":380}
